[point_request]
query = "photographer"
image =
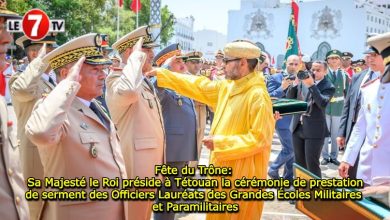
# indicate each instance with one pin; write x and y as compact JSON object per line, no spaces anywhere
{"x":309,"y":129}
{"x":277,"y":85}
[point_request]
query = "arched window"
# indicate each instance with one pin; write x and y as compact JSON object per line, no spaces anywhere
{"x":320,"y":54}
{"x":261,"y":46}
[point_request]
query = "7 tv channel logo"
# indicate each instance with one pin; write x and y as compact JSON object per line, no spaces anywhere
{"x":35,"y":24}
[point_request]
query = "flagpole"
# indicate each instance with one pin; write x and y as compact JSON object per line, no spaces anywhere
{"x":137,"y":7}
{"x":117,"y":23}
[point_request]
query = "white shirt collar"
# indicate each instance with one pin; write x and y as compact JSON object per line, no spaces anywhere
{"x":85,"y":102}
{"x":318,"y":81}
{"x":45,"y":77}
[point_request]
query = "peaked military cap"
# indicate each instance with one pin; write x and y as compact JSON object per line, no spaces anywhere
{"x":4,"y":12}
{"x":371,"y":49}
{"x":359,"y":62}
{"x":333,"y":53}
{"x":219,"y":54}
{"x":88,"y":45}
{"x":346,"y":54}
{"x":168,"y":52}
{"x":263,"y":57}
{"x":381,"y":42}
{"x":24,"y":42}
{"x":194,"y":55}
{"x":131,"y":38}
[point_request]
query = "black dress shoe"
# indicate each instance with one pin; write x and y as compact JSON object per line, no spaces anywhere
{"x":273,"y":175}
{"x":324,"y":161}
{"x":335,"y":162}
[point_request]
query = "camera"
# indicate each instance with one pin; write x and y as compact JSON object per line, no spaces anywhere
{"x":302,"y":75}
{"x":289,"y":76}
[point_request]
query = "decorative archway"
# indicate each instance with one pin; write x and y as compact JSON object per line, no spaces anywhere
{"x":322,"y":49}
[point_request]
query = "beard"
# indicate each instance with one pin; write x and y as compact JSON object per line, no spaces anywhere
{"x":233,"y":74}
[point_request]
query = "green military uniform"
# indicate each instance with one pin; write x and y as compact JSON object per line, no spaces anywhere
{"x":340,"y":81}
{"x":334,"y":110}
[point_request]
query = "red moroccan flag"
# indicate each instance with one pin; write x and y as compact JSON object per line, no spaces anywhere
{"x":295,"y":11}
{"x":120,"y":3}
{"x":136,"y":6}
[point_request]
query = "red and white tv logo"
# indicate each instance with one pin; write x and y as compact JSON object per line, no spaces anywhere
{"x":35,"y":25}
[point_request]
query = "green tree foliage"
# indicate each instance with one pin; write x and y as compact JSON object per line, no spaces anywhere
{"x":85,"y":16}
{"x":144,"y":18}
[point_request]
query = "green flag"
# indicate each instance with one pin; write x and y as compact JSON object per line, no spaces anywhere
{"x":292,"y":44}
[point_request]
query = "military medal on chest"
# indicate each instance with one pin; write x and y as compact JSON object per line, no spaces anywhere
{"x":84,"y":125}
{"x":179,"y":100}
{"x":93,"y":150}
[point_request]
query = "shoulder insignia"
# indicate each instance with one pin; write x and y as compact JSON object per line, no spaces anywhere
{"x":369,"y":83}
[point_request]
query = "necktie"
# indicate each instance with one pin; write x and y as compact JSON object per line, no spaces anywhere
{"x":369,"y":78}
{"x":52,"y":81}
{"x":96,"y":110}
{"x":151,"y":87}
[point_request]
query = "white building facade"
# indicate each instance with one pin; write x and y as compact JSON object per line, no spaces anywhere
{"x":209,"y":42}
{"x":322,"y":25}
{"x":184,"y":33}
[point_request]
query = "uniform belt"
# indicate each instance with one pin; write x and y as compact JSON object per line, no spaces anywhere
{"x":337,"y":99}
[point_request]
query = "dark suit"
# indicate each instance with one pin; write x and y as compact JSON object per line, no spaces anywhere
{"x":286,"y":155}
{"x":309,"y":133}
{"x":350,"y":112}
{"x":350,"y":106}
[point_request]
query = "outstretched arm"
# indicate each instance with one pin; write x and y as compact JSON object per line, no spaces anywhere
{"x":199,"y":88}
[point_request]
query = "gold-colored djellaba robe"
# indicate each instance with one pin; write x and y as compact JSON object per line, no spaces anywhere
{"x":243,"y":128}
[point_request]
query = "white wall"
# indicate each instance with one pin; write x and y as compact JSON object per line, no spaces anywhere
{"x":208,"y":42}
{"x":352,"y":27}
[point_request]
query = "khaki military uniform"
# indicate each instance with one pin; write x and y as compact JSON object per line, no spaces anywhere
{"x":26,"y":88}
{"x":73,"y":142}
{"x":136,"y":112}
{"x":12,"y":186}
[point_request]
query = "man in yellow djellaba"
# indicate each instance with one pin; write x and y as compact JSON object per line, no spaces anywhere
{"x":243,"y":126}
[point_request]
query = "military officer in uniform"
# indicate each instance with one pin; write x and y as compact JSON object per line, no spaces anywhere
{"x":370,"y":135}
{"x":26,"y":88}
{"x":193,"y":63}
{"x":136,"y":112}
{"x":13,"y":204}
{"x":74,"y":136}
{"x":333,"y":111}
{"x":352,"y":101}
{"x":346,"y":61}
{"x":179,"y":120}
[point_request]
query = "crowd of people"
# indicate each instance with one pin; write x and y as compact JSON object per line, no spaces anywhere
{"x":82,"y":112}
